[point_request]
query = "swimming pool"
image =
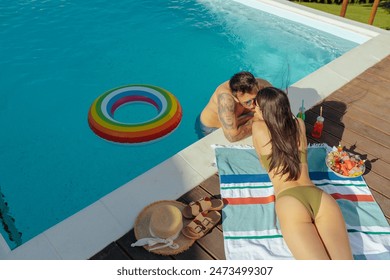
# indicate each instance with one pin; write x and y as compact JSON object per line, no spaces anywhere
{"x":59,"y":57}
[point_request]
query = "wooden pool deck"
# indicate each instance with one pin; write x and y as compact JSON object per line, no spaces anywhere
{"x":357,"y":115}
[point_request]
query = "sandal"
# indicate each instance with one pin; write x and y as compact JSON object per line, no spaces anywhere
{"x":204,"y":204}
{"x":201,"y":225}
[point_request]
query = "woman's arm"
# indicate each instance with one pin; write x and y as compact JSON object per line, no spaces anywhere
{"x":261,"y":138}
{"x":302,"y":133}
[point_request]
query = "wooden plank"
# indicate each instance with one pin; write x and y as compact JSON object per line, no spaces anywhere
{"x":367,"y":98}
{"x":368,"y":131}
{"x":383,"y":202}
{"x":356,"y":113}
{"x":212,"y":185}
{"x":362,"y":90}
{"x":381,"y":69}
{"x":213,"y":244}
{"x":378,"y":183}
{"x":349,"y":102}
{"x":196,"y":252}
{"x":111,"y":252}
{"x":374,"y":84}
{"x":335,"y":111}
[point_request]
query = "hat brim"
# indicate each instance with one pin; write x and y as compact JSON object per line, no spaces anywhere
{"x":141,"y":228}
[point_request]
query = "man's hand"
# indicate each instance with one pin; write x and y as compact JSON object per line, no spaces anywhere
{"x":245,"y":118}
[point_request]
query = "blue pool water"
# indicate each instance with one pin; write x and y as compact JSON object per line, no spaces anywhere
{"x":56,"y":57}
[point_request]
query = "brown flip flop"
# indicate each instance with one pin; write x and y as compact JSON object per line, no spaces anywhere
{"x":194,"y":208}
{"x":201,"y":225}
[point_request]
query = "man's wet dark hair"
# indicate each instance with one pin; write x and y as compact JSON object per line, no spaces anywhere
{"x":242,"y":82}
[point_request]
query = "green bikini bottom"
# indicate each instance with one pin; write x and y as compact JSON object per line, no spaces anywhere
{"x":309,"y":196}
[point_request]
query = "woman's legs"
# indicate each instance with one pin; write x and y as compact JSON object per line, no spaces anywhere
{"x":332,"y":229}
{"x":298,"y":230}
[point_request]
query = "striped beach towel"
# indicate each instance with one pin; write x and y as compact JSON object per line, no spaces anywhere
{"x":250,"y":227}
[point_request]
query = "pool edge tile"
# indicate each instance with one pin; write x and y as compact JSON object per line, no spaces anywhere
{"x":200,"y":154}
{"x":38,"y":248}
{"x":58,"y":242}
{"x":368,"y":53}
{"x":72,"y":237}
{"x":342,"y":27}
{"x":168,"y":180}
{"x":4,"y":248}
{"x":314,"y":87}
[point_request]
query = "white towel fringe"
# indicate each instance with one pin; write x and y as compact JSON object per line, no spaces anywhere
{"x":237,"y":146}
{"x":321,"y":145}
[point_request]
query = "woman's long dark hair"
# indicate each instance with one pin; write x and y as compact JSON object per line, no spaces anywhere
{"x":284,"y":130}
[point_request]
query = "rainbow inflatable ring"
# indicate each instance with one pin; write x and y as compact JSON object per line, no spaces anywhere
{"x":101,"y":114}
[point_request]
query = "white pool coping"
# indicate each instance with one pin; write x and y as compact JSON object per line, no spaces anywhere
{"x":90,"y":230}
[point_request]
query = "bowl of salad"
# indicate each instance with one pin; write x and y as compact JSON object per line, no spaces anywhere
{"x":345,"y":164}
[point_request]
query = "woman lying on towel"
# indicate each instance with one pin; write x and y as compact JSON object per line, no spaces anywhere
{"x":311,"y":221}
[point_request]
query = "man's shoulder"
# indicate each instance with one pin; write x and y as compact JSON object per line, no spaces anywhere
{"x":223,"y":92}
{"x":263,"y":83}
{"x":223,"y":88}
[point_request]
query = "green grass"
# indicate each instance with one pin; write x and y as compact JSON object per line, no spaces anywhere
{"x":360,"y":13}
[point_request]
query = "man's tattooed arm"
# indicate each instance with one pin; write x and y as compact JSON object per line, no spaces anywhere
{"x":227,"y":116}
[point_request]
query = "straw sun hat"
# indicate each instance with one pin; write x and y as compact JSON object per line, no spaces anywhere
{"x":158,"y":228}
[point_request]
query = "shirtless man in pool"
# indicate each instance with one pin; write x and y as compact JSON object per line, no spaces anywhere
{"x":232,"y":107}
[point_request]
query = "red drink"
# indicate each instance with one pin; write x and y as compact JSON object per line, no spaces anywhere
{"x":318,"y":126}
